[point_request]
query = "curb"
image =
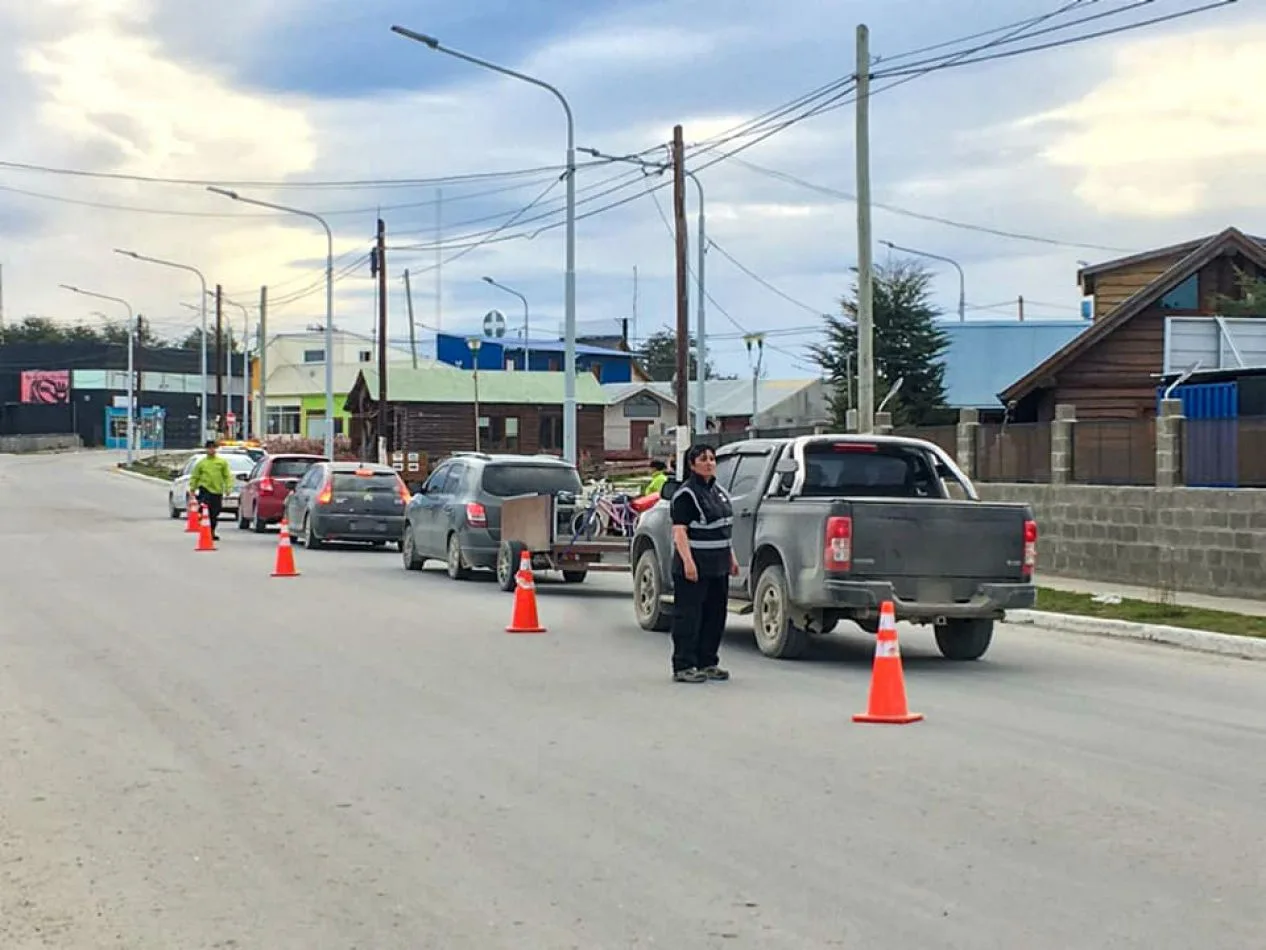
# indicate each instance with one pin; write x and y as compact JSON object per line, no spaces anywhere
{"x":1201,"y":641}
{"x":140,"y":476}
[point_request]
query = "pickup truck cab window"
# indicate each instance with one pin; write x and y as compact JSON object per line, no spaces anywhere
{"x":725,"y":470}
{"x":867,"y":470}
{"x":748,"y":474}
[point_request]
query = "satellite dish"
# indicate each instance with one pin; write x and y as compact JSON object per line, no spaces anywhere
{"x":494,"y":324}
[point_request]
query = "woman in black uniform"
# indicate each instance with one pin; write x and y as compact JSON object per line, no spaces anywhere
{"x":703,"y":562}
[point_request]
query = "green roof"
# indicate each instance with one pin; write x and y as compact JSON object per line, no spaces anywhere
{"x":495,"y":386}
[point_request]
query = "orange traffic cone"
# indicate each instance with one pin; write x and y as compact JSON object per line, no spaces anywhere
{"x":205,"y":541}
{"x":887,"y":681}
{"x":285,"y":566}
{"x":524,"y":619}
{"x":191,"y":518}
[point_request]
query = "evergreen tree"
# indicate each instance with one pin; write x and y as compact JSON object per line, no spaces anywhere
{"x":658,"y":356}
{"x":1249,"y":299}
{"x":908,"y":345}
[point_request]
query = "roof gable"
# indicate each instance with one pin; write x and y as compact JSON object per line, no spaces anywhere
{"x":1230,"y":240}
{"x":1182,"y":250}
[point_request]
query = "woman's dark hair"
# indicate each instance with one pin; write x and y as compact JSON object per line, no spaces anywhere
{"x":658,"y":465}
{"x":696,"y":451}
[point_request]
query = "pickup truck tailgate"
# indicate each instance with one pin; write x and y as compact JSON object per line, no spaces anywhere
{"x":938,"y":540}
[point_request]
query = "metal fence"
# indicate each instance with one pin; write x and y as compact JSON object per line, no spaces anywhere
{"x":1251,"y":439}
{"x":1224,"y":453}
{"x":1114,"y":452}
{"x":1016,"y":452}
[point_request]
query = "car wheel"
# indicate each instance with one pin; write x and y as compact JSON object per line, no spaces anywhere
{"x":574,"y":577}
{"x":257,"y":523}
{"x":457,"y":570}
{"x":509,"y":553}
{"x":310,"y":540}
{"x":409,"y":552}
{"x":173,"y":510}
{"x":648,"y":588}
{"x":242,"y":521}
{"x":777,"y":635}
{"x":964,"y":639}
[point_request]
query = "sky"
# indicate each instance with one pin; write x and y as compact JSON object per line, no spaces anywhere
{"x":1079,"y":153}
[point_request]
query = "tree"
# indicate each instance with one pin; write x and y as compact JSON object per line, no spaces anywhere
{"x":908,"y":345}
{"x":1249,"y":299}
{"x":658,"y":356}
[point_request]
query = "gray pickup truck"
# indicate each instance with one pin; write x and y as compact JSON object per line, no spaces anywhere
{"x":827,"y":528}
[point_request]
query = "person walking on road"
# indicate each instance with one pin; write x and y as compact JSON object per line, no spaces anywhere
{"x":703,"y":563}
{"x":210,"y":480}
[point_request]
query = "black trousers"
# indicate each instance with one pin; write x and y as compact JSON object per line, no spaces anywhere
{"x":699,"y":614}
{"x":214,"y":503}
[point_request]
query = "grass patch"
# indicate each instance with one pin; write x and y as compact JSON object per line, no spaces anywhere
{"x":152,"y":468}
{"x":1144,"y":611}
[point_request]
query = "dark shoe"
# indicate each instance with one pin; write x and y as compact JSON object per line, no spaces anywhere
{"x":689,"y":676}
{"x":715,"y":673}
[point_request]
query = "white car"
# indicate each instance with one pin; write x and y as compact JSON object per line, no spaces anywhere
{"x":240,"y":464}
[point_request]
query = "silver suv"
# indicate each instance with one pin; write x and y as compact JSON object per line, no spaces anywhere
{"x":456,"y":514}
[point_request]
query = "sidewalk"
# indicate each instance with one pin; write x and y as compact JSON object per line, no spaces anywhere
{"x":1076,"y":585}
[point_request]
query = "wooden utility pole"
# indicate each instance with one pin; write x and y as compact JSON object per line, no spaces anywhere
{"x":865,"y":262}
{"x":219,"y":357}
{"x":261,"y":410}
{"x":682,"y":382}
{"x":383,"y":439}
{"x":408,"y":303}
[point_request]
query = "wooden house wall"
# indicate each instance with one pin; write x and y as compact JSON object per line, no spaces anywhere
{"x":439,"y":429}
{"x":1112,"y":288}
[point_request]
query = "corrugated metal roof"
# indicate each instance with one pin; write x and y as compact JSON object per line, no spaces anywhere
{"x":451,"y":385}
{"x":984,"y":357}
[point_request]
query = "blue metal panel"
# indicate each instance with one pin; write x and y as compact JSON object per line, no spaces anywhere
{"x":1206,"y":400}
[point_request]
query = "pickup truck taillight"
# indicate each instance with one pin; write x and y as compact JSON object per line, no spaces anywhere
{"x":476,"y":516}
{"x":1030,"y":548}
{"x":838,"y":554}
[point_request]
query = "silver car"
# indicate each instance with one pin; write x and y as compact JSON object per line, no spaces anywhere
{"x":240,"y":464}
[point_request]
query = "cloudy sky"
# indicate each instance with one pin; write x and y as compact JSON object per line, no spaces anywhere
{"x":1126,"y":142}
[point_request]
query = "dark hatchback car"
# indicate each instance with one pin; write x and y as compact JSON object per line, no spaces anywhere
{"x":348,"y":501}
{"x":456,"y":514}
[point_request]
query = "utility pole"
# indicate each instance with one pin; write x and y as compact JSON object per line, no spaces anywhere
{"x":1,"y":300}
{"x":865,"y":262}
{"x":219,"y":358}
{"x":408,"y":302}
{"x":1021,"y":303}
{"x":635,"y":336}
{"x":682,"y":382}
{"x":261,"y":411}
{"x":383,"y":446}
{"x":759,"y":340}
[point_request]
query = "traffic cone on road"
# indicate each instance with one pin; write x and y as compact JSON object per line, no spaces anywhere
{"x":285,"y":566}
{"x":524,"y":619}
{"x":887,"y":681}
{"x":191,"y":518}
{"x":205,"y":541}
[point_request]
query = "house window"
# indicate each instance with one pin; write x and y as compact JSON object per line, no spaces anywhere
{"x":316,"y":424}
{"x":499,"y":433}
{"x":551,"y":433}
{"x":366,"y":356}
{"x":314,"y":356}
{"x":283,"y":420}
{"x":641,"y":406}
{"x":1186,"y":296}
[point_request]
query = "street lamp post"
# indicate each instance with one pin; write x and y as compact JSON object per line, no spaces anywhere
{"x":527,"y":348}
{"x":246,"y":384}
{"x":193,"y":270}
{"x":329,"y":301}
{"x":131,"y":373}
{"x":962,"y":279}
{"x":569,"y":280}
{"x":473,"y":343}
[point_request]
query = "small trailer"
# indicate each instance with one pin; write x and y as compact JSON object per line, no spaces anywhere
{"x":541,"y":526}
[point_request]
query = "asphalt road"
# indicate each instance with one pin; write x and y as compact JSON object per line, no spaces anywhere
{"x":196,"y":755}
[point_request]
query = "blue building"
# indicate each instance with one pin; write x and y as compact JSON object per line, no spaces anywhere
{"x":607,"y":365}
{"x":984,"y":357}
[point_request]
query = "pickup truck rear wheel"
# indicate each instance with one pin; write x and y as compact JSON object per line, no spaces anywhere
{"x":963,"y":639}
{"x":648,"y":587}
{"x":776,"y":634}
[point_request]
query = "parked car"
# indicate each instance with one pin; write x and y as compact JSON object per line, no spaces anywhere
{"x":347,"y":501}
{"x":240,"y":464}
{"x":456,"y":514}
{"x":826,"y":528}
{"x":263,"y":497}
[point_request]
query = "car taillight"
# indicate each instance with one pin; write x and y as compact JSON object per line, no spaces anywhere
{"x":476,"y":517}
{"x":266,"y":486}
{"x":1030,"y":548}
{"x":838,"y":554}
{"x":403,"y":491}
{"x":327,"y":493}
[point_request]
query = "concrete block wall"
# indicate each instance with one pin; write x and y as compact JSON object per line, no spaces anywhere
{"x":1192,"y":539}
{"x":18,"y":444}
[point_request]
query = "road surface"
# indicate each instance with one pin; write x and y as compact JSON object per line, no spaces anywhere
{"x":196,"y":755}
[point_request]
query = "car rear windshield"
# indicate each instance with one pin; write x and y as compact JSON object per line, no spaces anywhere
{"x":351,"y":482}
{"x":507,"y":481}
{"x":291,"y":468}
{"x":867,"y":469}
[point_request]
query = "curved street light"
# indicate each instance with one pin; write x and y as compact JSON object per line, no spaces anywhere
{"x":329,"y":300}
{"x":962,"y":279}
{"x":569,"y":279}
{"x":131,"y":374}
{"x":527,"y":349}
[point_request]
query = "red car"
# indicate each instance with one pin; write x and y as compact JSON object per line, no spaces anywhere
{"x":263,"y":497}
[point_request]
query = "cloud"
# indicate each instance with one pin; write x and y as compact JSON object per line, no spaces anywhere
{"x":1076,"y":146}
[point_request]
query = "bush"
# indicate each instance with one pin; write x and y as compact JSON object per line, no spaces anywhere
{"x":303,"y":446}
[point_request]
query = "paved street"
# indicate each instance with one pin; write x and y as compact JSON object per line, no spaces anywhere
{"x":196,"y":755}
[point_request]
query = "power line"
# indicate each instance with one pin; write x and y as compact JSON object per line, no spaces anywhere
{"x":761,"y":280}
